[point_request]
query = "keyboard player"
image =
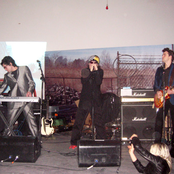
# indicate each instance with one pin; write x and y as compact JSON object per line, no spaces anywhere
{"x":20,"y":81}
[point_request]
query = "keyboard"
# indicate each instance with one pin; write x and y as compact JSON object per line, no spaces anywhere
{"x":19,"y":99}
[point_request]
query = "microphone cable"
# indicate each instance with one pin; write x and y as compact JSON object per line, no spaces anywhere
{"x":6,"y":159}
{"x":15,"y":159}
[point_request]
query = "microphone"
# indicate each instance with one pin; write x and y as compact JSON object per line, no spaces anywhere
{"x":38,"y":61}
{"x":163,"y":65}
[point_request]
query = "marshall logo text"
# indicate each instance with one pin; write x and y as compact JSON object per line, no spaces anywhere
{"x":139,"y":119}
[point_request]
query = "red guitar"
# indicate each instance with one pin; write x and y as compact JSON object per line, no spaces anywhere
{"x":159,"y":101}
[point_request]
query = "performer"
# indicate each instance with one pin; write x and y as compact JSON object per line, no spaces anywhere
{"x":165,"y":77}
{"x":20,"y":81}
{"x":91,"y":79}
{"x":159,"y":159}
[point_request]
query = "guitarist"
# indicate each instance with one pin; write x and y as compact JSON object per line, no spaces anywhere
{"x":164,"y":77}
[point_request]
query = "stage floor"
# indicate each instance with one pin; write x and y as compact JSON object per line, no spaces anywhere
{"x":56,"y":157}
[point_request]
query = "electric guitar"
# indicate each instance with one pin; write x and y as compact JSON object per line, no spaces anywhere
{"x":159,"y":101}
{"x":46,"y":123}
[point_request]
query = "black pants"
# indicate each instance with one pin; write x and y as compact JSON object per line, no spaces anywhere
{"x":159,"y":121}
{"x":84,"y":109}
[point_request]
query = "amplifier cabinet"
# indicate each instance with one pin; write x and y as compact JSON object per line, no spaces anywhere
{"x":23,"y":149}
{"x":138,"y":118}
{"x":99,"y":153}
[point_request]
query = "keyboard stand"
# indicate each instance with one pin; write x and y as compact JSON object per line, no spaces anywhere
{"x":14,"y":119}
{"x":6,"y":123}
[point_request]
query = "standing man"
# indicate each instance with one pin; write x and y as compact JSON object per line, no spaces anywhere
{"x":20,"y":82}
{"x":164,"y":77}
{"x":91,"y":79}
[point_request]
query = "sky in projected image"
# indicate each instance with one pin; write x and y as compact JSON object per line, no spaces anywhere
{"x":25,"y":53}
{"x":155,"y":50}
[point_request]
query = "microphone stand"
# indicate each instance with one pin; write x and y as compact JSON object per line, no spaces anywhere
{"x":93,"y":110}
{"x":164,"y":100}
{"x":42,"y":78}
{"x":92,"y":115}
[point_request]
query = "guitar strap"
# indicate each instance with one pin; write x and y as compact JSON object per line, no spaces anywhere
{"x":172,"y":77}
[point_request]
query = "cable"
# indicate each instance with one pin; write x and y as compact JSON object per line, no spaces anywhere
{"x":15,"y":159}
{"x":6,"y":159}
{"x":95,"y":162}
{"x":117,"y":171}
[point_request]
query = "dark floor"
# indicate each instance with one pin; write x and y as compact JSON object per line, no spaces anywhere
{"x":56,"y":157}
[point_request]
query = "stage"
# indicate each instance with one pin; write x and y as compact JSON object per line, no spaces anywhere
{"x":56,"y":157}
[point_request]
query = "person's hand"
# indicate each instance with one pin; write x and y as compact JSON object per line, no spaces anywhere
{"x":28,"y":94}
{"x":134,"y":135}
{"x":95,"y":66}
{"x":170,"y":91}
{"x":91,"y":67}
{"x":131,"y":153}
{"x":131,"y":148}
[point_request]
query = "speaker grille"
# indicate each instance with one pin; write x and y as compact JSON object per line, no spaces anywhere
{"x":138,"y":119}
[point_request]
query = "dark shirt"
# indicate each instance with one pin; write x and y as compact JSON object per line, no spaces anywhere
{"x":91,"y":86}
{"x":166,"y":75}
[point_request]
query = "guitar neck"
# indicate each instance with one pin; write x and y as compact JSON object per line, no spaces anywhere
{"x":47,"y":110}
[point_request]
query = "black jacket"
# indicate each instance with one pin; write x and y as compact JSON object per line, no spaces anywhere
{"x":156,"y":164}
{"x":91,"y":86}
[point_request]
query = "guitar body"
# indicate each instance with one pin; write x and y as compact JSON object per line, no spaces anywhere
{"x":159,"y":101}
{"x":47,"y":128}
{"x":46,"y":123}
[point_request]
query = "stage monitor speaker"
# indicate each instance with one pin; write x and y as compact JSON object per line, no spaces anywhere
{"x":138,"y":118}
{"x":19,"y":149}
{"x":99,"y":153}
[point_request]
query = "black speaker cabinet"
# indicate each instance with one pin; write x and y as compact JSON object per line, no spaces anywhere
{"x":99,"y":153}
{"x":138,"y":118}
{"x":23,"y":149}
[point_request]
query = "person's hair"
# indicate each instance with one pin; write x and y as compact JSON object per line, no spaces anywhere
{"x":162,"y":150}
{"x":170,"y":52}
{"x":7,"y":60}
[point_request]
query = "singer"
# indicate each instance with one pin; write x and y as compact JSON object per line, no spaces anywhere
{"x":91,"y":79}
{"x":164,"y":77}
{"x":20,"y":81}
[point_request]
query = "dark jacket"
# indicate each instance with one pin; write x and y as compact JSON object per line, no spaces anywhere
{"x":91,"y":86}
{"x":158,"y":84}
{"x":156,"y":165}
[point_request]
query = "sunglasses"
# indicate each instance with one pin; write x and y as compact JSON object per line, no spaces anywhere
{"x":93,"y":62}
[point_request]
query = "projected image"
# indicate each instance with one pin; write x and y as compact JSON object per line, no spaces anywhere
{"x":26,"y":54}
{"x":132,"y":67}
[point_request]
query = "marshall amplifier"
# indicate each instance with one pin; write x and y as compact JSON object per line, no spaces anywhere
{"x":138,"y":118}
{"x":138,"y":114}
{"x":99,"y":153}
{"x":139,"y":95}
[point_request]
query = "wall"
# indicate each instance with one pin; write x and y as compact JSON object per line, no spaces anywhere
{"x":80,"y":24}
